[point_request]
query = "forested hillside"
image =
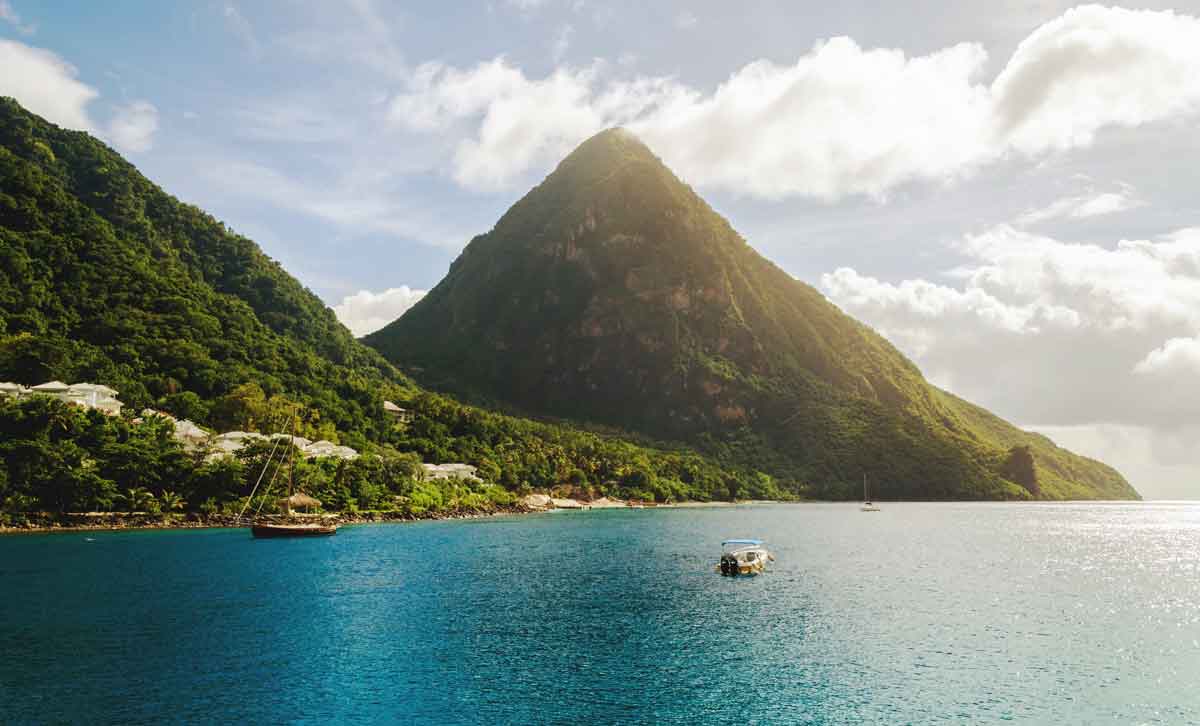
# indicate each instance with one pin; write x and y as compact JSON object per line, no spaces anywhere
{"x":106,"y":278}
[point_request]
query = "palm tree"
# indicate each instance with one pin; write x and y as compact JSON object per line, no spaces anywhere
{"x":170,"y":502}
{"x":138,"y":499}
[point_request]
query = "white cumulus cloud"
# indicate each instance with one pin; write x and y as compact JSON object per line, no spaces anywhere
{"x":842,"y":120}
{"x":1083,"y":206}
{"x":1178,"y":356}
{"x":521,"y":122}
{"x":1094,"y":67}
{"x":133,"y":126}
{"x":45,"y":84}
{"x":1063,"y":335}
{"x":365,"y":311}
{"x":49,"y":86}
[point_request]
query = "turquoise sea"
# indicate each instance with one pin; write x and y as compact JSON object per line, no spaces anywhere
{"x":921,"y":613}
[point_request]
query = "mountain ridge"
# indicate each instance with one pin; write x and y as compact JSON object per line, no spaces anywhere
{"x":612,"y":292}
{"x":106,"y":278}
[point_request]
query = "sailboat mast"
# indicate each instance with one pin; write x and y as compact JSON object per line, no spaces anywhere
{"x":292,"y":459}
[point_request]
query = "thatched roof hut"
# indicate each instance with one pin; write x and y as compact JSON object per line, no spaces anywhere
{"x":299,"y":500}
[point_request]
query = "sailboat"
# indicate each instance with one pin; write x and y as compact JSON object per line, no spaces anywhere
{"x":288,"y":527}
{"x":867,"y":505}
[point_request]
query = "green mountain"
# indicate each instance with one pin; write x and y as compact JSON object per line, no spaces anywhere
{"x":613,"y":293}
{"x":106,"y":278}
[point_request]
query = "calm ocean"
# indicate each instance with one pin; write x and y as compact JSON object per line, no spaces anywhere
{"x":922,"y":613}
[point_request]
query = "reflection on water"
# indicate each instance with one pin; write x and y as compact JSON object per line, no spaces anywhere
{"x":922,"y":613}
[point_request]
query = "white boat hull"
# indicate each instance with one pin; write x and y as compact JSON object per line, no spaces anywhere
{"x":748,"y":561}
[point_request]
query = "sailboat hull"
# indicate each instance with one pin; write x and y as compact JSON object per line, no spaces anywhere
{"x":292,"y":530}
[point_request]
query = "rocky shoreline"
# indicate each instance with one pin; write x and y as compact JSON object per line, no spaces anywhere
{"x":42,"y":522}
{"x":116,"y":521}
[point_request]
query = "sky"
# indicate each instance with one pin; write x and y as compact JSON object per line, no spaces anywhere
{"x":1003,"y":188}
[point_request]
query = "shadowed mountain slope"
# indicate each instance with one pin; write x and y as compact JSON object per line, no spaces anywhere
{"x":613,"y":293}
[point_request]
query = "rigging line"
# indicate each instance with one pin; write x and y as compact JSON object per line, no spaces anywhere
{"x":263,"y":501}
{"x":291,"y":453}
{"x":261,"y":474}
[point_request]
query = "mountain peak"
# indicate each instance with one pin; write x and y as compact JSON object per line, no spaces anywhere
{"x":616,"y":138}
{"x":606,"y":152}
{"x":613,"y":293}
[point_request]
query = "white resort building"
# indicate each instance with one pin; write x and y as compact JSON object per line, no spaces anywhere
{"x":13,"y":390}
{"x":323,"y":448}
{"x":403,"y":415}
{"x":88,"y":395}
{"x":450,"y":471}
{"x":104,"y":399}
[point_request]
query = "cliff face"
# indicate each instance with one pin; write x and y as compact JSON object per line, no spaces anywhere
{"x":613,"y":293}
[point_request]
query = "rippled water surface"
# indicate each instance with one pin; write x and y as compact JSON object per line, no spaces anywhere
{"x":922,"y":613}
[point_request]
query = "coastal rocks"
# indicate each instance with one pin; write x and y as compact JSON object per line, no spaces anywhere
{"x":607,"y":503}
{"x":544,"y":502}
{"x":113,"y":521}
{"x":537,"y":501}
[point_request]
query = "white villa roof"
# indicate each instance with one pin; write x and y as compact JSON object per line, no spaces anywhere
{"x":187,"y":430}
{"x":10,"y":386}
{"x":324,"y":448}
{"x":389,"y":406}
{"x":239,"y":435}
{"x":92,"y":388}
{"x":298,"y":440}
{"x":449,"y":467}
{"x":51,"y":386}
{"x":447,"y":471}
{"x":109,"y":404}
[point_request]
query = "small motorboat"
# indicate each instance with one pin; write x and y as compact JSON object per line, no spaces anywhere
{"x":744,"y":557}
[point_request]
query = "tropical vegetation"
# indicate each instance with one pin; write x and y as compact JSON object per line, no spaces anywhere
{"x":106,"y":278}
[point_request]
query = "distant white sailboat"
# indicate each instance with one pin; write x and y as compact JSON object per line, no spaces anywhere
{"x":867,"y":505}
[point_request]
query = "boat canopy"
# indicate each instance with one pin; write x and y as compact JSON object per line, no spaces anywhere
{"x":752,"y":542}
